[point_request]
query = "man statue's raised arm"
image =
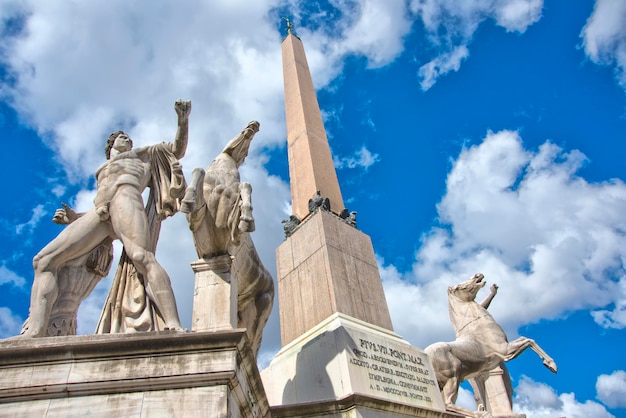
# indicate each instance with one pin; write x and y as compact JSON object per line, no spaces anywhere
{"x":183,"y":108}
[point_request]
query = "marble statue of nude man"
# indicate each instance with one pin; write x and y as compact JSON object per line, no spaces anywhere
{"x":118,"y":213}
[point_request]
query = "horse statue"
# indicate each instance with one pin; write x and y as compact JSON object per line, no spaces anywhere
{"x":219,"y":212}
{"x":480,"y":346}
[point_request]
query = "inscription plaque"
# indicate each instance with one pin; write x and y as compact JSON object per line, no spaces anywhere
{"x":390,"y":368}
{"x":343,"y":356}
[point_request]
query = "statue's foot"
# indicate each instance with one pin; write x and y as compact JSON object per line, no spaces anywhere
{"x":176,"y":328}
{"x":550,"y":364}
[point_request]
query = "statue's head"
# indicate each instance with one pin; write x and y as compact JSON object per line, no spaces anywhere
{"x":467,"y":290}
{"x":238,"y":147}
{"x":111,"y":140}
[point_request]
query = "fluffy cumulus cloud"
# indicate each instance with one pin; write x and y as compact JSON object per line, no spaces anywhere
{"x":604,"y":36}
{"x":376,"y":30}
{"x":529,"y":223}
{"x":539,"y":400}
{"x":82,"y":70}
{"x":451,"y":25}
{"x":611,"y":389}
{"x":371,"y":28}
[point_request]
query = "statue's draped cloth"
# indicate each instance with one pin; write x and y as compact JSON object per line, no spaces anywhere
{"x":128,"y":308}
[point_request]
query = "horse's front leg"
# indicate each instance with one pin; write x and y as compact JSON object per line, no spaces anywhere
{"x":516,"y":347}
{"x":246,"y":220}
{"x":192,"y":201}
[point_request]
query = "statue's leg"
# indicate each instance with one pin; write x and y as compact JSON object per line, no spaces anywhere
{"x":478,"y":386}
{"x":77,"y":239}
{"x":450,"y":389}
{"x":547,"y":360}
{"x":447,"y":368}
{"x":516,"y":347}
{"x":130,"y":224}
{"x":246,"y":220}
{"x":193,"y":200}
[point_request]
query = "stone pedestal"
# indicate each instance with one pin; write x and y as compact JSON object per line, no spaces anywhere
{"x":349,"y":368}
{"x":325,"y":267}
{"x":215,"y":295}
{"x":499,"y":394}
{"x":150,"y":374}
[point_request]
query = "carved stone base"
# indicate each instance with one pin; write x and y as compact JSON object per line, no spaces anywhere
{"x":349,"y":368}
{"x":215,"y":295}
{"x":165,"y":374}
{"x":499,"y":394}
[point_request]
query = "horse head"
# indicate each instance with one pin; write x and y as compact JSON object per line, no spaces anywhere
{"x":466,"y":291}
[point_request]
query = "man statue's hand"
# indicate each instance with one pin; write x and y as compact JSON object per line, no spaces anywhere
{"x":64,"y":216}
{"x":183,"y":108}
{"x":494,"y":289}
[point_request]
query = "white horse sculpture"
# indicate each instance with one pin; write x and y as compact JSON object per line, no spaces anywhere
{"x":480,"y":343}
{"x":219,"y":212}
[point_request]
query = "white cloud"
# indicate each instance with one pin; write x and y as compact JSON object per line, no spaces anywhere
{"x":443,"y":64}
{"x":466,"y":399}
{"x":451,"y":24}
{"x":362,"y":158}
{"x":459,"y":20}
{"x":377,"y":32}
{"x":10,"y":324}
{"x":615,"y":318}
{"x":8,"y":276}
{"x":85,"y":69}
{"x":604,"y":36}
{"x":38,"y":213}
{"x":539,"y":400}
{"x":611,"y":389}
{"x":530,"y":224}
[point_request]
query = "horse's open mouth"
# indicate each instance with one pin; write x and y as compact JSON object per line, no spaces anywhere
{"x":479,"y":279}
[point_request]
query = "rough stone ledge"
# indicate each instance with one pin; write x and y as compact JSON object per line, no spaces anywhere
{"x":339,"y":407}
{"x":213,"y":355}
{"x":102,"y":346}
{"x":115,"y":387}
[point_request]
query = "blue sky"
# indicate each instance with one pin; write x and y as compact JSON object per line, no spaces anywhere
{"x":483,"y":135}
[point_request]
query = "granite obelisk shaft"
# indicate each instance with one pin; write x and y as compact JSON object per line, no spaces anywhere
{"x":326,"y":266}
{"x":310,"y":162}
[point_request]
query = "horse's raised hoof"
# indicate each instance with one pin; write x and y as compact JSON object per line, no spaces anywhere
{"x":246,"y":224}
{"x":550,"y":364}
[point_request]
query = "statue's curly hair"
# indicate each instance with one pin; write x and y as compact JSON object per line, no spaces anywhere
{"x":111,"y":140}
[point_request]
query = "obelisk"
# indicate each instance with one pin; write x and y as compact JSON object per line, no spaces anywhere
{"x":326,"y":265}
{"x":339,"y":355}
{"x":311,"y":165}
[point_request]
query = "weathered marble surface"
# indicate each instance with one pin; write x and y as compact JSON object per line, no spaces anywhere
{"x":118,"y":213}
{"x":345,"y":358}
{"x":480,"y":346}
{"x":324,"y":267}
{"x":150,"y":374}
{"x":219,"y":211}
